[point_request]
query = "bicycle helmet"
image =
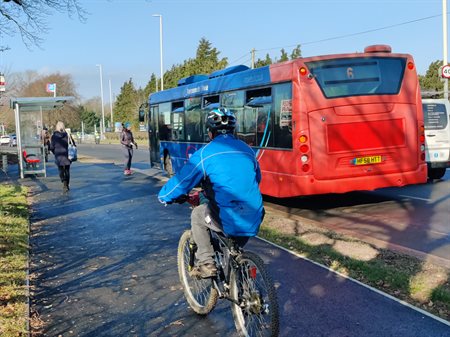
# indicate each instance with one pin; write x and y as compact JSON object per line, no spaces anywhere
{"x":220,"y":120}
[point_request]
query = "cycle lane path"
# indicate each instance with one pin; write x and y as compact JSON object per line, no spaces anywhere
{"x":103,"y":263}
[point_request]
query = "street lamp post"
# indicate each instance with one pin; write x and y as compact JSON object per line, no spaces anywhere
{"x":160,"y":48}
{"x":102,"y":131}
{"x":111,"y":104}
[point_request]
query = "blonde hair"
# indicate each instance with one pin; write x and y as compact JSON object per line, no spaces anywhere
{"x":60,"y":127}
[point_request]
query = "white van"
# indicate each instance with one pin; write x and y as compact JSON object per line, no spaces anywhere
{"x":437,"y":136}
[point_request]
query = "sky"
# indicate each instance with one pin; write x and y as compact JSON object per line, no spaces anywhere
{"x":124,"y":38}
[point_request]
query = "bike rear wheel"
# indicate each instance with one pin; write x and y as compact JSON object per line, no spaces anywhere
{"x":252,"y":287}
{"x":200,"y":293}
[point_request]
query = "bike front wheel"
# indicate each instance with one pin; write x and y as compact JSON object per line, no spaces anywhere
{"x":200,"y":293}
{"x":255,"y":304}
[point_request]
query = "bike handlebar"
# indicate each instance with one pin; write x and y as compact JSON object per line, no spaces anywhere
{"x":192,"y":198}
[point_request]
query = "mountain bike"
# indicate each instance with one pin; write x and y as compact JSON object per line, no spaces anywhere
{"x":241,"y":279}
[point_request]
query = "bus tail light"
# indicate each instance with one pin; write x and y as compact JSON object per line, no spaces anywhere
{"x":422,"y":142}
{"x":304,"y":148}
{"x":410,"y":65}
{"x":303,"y":71}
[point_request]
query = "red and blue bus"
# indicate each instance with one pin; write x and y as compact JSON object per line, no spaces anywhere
{"x":322,"y":124}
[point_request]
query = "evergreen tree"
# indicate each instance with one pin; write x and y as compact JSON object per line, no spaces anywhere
{"x":127,"y":104}
{"x":296,"y":53}
{"x":206,"y":61}
{"x":89,"y":118}
{"x":261,"y":63}
{"x":207,"y":58}
{"x":284,"y":56}
{"x":432,"y":80}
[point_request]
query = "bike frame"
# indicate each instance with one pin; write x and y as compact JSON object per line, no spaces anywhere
{"x":225,"y":261}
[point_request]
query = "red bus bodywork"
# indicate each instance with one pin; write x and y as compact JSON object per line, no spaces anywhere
{"x":388,"y":128}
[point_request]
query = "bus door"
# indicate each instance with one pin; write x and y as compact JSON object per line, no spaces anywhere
{"x":437,"y":136}
{"x":153,"y":133}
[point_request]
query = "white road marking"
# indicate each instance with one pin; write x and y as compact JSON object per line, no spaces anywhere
{"x":417,"y":198}
{"x":406,"y":304}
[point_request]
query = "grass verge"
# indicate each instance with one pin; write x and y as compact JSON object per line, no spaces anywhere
{"x":417,"y":282}
{"x":14,"y":230}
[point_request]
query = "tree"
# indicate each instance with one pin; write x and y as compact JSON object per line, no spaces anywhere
{"x":207,"y":58}
{"x":127,"y":104}
{"x":261,"y":63}
{"x":89,"y":118}
{"x":296,"y":53}
{"x":284,"y":56}
{"x":432,"y":79}
{"x":28,"y":17}
{"x":206,"y":61}
{"x":31,"y":84}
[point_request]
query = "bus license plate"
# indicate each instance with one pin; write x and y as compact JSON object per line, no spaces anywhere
{"x":367,"y":160}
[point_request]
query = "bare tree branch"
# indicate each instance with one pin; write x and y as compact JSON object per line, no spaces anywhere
{"x":29,"y":17}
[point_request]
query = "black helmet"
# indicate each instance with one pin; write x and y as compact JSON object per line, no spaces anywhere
{"x":220,"y":120}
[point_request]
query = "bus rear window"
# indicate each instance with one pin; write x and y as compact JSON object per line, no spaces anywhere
{"x":435,"y":116}
{"x":358,"y":76}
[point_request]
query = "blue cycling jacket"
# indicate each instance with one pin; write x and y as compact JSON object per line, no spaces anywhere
{"x":230,"y":171}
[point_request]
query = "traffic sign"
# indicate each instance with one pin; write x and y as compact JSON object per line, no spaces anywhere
{"x":445,"y":72}
{"x":51,"y":87}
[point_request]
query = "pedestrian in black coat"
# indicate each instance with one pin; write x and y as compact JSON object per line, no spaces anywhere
{"x":59,"y":145}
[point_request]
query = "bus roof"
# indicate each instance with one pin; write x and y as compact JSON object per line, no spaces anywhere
{"x":231,"y":78}
{"x":241,"y":77}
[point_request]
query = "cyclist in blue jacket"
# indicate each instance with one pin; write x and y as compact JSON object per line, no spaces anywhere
{"x":229,"y":174}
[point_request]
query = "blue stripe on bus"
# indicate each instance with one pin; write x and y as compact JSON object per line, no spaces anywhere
{"x":240,"y":80}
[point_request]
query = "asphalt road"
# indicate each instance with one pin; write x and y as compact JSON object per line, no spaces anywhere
{"x":103,"y":261}
{"x":414,"y":219}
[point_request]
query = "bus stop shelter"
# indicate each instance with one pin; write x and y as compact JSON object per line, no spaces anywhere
{"x":29,"y":126}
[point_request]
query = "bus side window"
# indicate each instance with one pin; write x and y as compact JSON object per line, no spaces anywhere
{"x":194,"y":125}
{"x":282,"y":98}
{"x":164,"y":122}
{"x":178,"y":126}
{"x":264,"y":137}
{"x":248,"y":133}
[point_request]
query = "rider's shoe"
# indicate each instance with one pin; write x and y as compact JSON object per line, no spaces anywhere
{"x":206,"y":270}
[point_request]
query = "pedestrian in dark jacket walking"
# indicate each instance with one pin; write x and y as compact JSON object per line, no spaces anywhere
{"x":59,"y":145}
{"x":127,"y":141}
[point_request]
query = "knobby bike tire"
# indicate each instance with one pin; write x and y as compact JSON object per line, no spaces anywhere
{"x":250,"y":283}
{"x":200,"y":293}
